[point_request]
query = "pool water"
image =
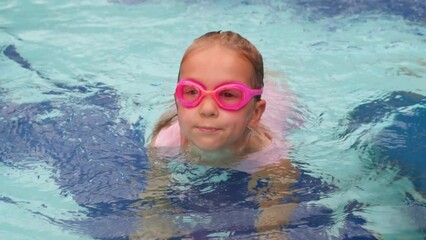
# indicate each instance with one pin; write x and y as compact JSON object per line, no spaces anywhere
{"x":83,"y":82}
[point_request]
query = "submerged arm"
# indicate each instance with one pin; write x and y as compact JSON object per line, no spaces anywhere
{"x":157,"y":218}
{"x":271,"y":185}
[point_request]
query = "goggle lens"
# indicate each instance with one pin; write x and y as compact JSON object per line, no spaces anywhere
{"x":230,"y":97}
{"x":190,"y":93}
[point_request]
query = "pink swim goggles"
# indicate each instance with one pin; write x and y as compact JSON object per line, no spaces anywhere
{"x":230,"y":96}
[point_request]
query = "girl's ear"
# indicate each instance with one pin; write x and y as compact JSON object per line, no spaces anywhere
{"x":259,"y":108}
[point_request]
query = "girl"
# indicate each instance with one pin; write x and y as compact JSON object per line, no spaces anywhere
{"x":217,"y":121}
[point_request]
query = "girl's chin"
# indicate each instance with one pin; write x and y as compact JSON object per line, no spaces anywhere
{"x":208,"y":152}
{"x":206,"y":149}
{"x":206,"y":146}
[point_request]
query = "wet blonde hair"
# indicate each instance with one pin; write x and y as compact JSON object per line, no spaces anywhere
{"x":228,"y":39}
{"x":235,"y":42}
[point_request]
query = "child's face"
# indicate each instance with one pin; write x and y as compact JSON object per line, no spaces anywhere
{"x":207,"y":126}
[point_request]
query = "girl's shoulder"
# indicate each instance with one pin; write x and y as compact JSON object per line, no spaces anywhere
{"x":275,"y":152}
{"x":168,"y":136}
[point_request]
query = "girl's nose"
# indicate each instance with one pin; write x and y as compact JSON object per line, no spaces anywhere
{"x":208,"y":107}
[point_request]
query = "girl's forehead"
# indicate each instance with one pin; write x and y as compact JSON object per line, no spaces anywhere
{"x":216,"y":65}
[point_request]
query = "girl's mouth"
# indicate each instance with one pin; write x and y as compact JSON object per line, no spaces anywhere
{"x":208,"y":130}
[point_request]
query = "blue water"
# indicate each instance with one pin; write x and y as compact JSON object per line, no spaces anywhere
{"x":83,"y":82}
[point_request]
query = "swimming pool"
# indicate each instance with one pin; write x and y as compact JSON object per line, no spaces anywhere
{"x":83,"y":82}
